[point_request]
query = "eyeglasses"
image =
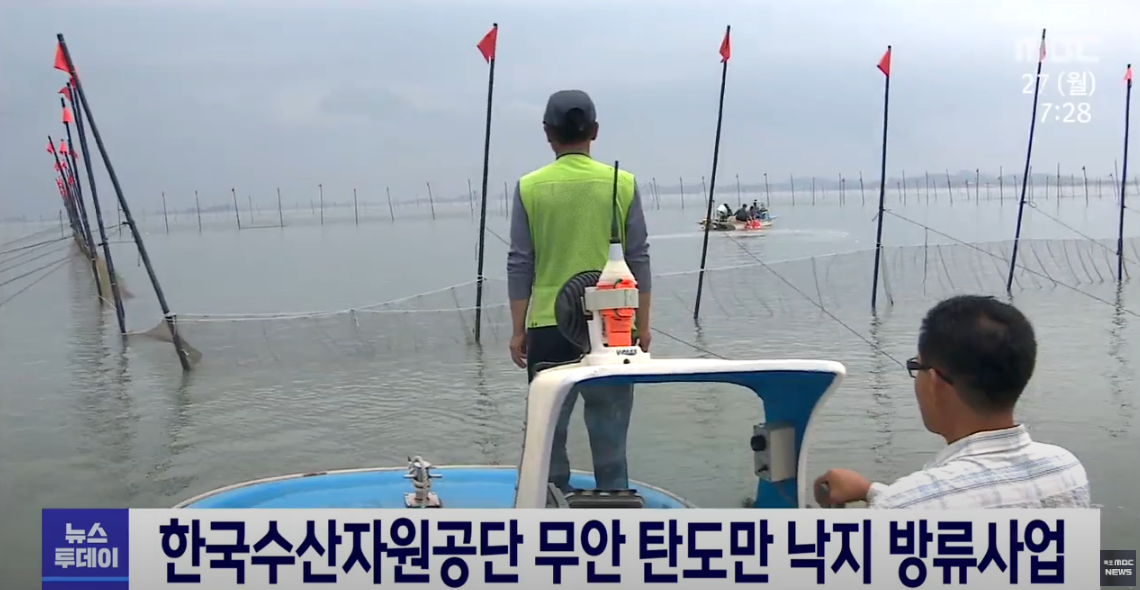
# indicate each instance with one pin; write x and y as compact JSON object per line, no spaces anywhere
{"x":913,"y":367}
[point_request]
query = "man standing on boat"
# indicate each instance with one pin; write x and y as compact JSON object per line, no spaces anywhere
{"x":560,"y":226}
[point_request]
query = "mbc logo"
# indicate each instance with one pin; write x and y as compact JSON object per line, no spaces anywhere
{"x":1061,"y":50}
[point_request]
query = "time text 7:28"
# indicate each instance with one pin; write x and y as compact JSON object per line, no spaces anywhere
{"x":1066,"y":112}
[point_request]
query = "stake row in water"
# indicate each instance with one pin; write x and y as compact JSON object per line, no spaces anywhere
{"x":927,"y":189}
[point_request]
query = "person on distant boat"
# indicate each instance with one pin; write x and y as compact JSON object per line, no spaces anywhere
{"x":560,"y":226}
{"x":723,"y":213}
{"x":975,"y":357}
{"x":742,"y":214}
{"x":763,"y":213}
{"x":754,"y":211}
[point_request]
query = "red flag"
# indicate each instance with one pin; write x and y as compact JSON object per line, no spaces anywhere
{"x":59,"y":183}
{"x":63,"y":147}
{"x":66,"y":92}
{"x":487,"y":44}
{"x":726,"y":46}
{"x":67,"y":115}
{"x":1042,"y":55}
{"x":60,"y":60}
{"x":50,"y":148}
{"x":885,"y":63}
{"x":57,"y":167}
{"x":1128,"y":74}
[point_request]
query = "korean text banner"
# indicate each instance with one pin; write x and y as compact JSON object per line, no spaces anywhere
{"x":627,"y":549}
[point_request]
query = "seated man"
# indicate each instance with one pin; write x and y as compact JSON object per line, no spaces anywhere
{"x":763,"y":213}
{"x":742,"y":214}
{"x":975,"y":357}
{"x":754,"y":211}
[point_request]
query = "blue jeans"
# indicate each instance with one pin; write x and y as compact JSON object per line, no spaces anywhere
{"x":606,"y":412}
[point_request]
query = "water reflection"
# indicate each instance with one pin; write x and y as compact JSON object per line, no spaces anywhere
{"x":706,"y":408}
{"x":103,"y":407}
{"x":881,"y":409}
{"x":177,"y":419}
{"x":485,"y":410}
{"x":1121,"y":374}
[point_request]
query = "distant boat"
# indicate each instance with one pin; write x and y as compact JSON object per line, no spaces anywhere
{"x":734,"y":225}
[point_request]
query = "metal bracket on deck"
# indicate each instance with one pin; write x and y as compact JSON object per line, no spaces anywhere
{"x":419,"y":471}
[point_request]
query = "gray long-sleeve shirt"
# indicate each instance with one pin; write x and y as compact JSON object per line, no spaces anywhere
{"x":520,"y":256}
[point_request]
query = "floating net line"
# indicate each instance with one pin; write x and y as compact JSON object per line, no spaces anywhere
{"x":810,"y":296}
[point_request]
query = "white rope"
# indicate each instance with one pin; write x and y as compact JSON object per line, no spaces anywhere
{"x":216,"y":319}
{"x":196,"y":317}
{"x":1088,"y":238}
{"x":371,"y":308}
{"x":440,"y":310}
{"x":978,"y":248}
{"x":755,"y":264}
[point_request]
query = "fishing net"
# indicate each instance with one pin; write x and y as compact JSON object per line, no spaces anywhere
{"x":810,"y":297}
{"x":28,"y":259}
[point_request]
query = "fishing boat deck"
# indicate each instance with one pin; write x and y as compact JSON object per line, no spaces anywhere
{"x":459,"y":487}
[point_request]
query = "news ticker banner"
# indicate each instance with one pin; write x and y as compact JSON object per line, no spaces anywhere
{"x":117,"y":549}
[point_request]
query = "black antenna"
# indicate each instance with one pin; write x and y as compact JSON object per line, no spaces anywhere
{"x":615,"y":233}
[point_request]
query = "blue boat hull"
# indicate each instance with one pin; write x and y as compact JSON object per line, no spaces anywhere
{"x":459,"y":487}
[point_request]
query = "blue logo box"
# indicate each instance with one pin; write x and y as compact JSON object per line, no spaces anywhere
{"x":85,"y":549}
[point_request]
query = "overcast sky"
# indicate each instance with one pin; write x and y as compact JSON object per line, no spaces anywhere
{"x":204,"y":94}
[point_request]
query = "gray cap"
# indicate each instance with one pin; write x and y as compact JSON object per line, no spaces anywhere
{"x":564,"y":101}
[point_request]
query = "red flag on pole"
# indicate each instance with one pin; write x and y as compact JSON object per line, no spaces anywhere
{"x":60,"y":60}
{"x":487,"y":44}
{"x":50,"y":148}
{"x":57,"y":167}
{"x":1128,"y":74}
{"x":1041,"y":57}
{"x":67,"y":115}
{"x":66,"y":91}
{"x":63,"y":147}
{"x":726,"y":46}
{"x":885,"y":63}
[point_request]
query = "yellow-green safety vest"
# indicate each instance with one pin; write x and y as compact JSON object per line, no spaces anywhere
{"x":569,"y":207}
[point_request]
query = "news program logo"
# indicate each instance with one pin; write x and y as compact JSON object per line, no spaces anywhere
{"x":85,"y":549}
{"x":1117,"y":567}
